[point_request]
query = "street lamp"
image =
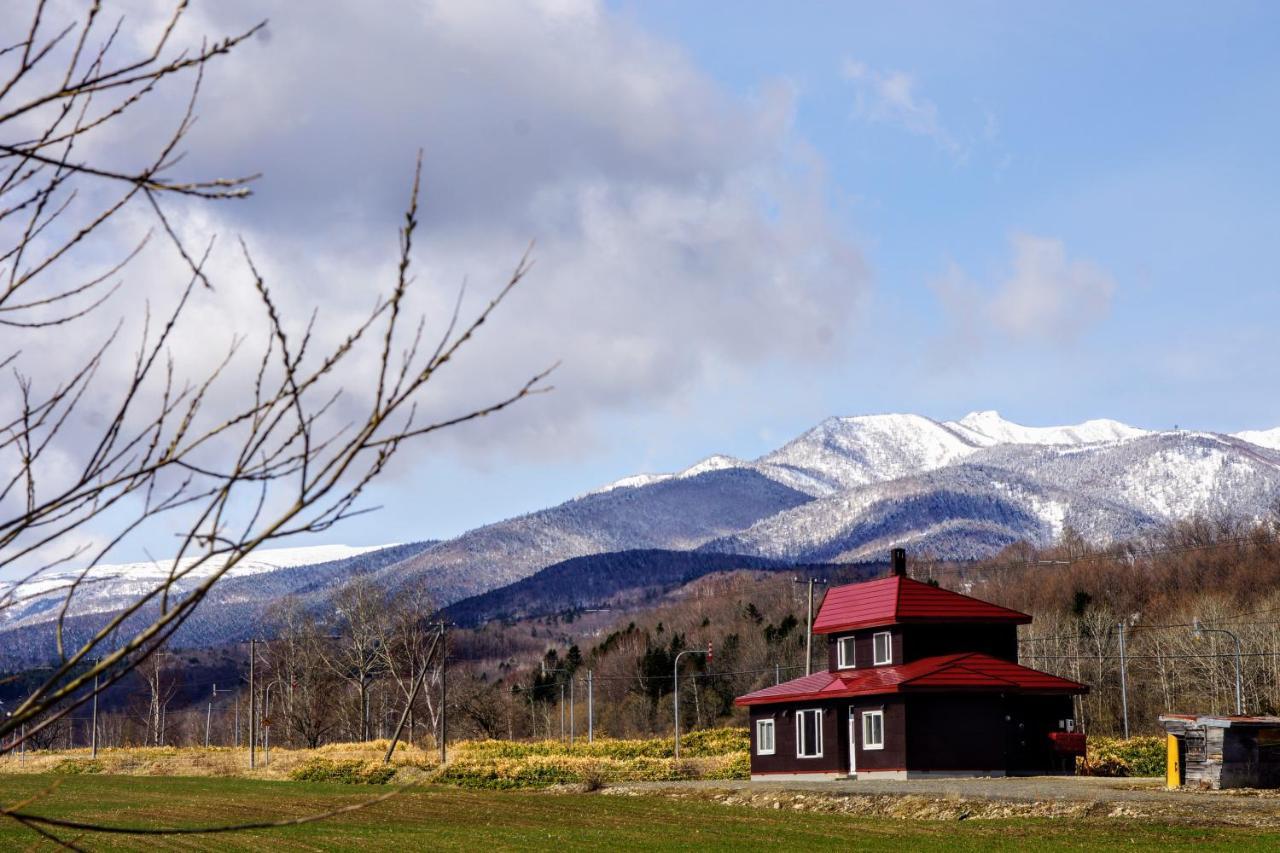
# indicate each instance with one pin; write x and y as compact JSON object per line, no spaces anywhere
{"x":676,"y":687}
{"x":266,"y":722}
{"x":1199,"y":630}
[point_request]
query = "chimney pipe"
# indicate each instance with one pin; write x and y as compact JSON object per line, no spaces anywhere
{"x":898,"y":558}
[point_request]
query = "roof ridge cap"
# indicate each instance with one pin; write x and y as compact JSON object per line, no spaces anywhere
{"x":960,"y":663}
{"x":946,"y":662}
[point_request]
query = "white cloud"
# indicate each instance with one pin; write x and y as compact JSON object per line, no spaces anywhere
{"x":1045,"y":296}
{"x":680,"y":232}
{"x":892,"y":97}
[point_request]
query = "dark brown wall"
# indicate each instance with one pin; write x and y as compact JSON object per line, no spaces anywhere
{"x":923,"y":732}
{"x":924,"y":641}
{"x":913,"y":642}
{"x":784,"y":759}
{"x":981,"y":731}
{"x":956,"y":732}
{"x":894,"y":754}
{"x":835,"y":747}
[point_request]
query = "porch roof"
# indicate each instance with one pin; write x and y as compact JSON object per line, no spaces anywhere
{"x":964,"y":672}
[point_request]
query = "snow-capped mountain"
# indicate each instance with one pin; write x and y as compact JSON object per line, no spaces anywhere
{"x":234,"y":610}
{"x":105,"y":588}
{"x":856,"y":486}
{"x":988,"y":428}
{"x":846,"y":490}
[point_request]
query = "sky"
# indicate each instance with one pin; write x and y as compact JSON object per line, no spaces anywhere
{"x":749,"y":217}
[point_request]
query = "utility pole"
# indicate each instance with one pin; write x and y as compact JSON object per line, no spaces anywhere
{"x":808,"y":634}
{"x":562,"y":712}
{"x":93,"y":734}
{"x":208,"y":715}
{"x":591,"y":710}
{"x":675,"y":693}
{"x":253,"y":709}
{"x":413,"y":695}
{"x":1124,"y":683}
{"x":444,"y":695}
{"x":570,"y":709}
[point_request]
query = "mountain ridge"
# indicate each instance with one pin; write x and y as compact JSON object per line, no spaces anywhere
{"x":851,"y":487}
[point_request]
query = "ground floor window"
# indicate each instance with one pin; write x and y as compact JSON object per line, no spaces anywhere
{"x":873,"y":729}
{"x":809,"y":733}
{"x":764,"y":737}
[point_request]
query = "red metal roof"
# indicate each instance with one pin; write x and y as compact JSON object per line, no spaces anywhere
{"x":891,"y":600}
{"x":959,"y":672}
{"x":1223,"y":720}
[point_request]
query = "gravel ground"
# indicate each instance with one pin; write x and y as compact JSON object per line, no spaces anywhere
{"x":960,"y":799}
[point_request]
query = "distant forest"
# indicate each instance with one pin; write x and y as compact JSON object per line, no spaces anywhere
{"x":519,"y":659}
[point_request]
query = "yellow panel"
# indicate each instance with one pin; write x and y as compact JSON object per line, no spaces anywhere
{"x":1173,"y":767}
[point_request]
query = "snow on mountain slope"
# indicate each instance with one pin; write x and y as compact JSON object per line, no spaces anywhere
{"x":962,"y":511}
{"x":1269,"y":438}
{"x":961,"y":488}
{"x":988,"y":428}
{"x":1164,"y":475}
{"x":237,"y":608}
{"x":841,"y":453}
{"x":718,"y":462}
{"x":848,"y":489}
{"x":846,"y":452}
{"x":678,"y":513}
{"x":107,"y":586}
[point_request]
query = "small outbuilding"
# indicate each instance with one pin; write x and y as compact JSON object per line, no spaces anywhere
{"x":920,"y":681}
{"x":1211,"y":751}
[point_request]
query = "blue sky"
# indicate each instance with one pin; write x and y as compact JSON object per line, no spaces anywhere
{"x":751,"y":217}
{"x":1140,"y":136}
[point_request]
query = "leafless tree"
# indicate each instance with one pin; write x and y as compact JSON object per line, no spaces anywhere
{"x":162,"y":684}
{"x":80,"y":452}
{"x":228,"y":479}
{"x":481,"y":705}
{"x":408,"y":647}
{"x":296,"y":656}
{"x":361,"y":623}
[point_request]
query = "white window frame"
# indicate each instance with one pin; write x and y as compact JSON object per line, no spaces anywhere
{"x":841,"y":661}
{"x":800,"y":744}
{"x":888,"y":646}
{"x":867,"y":717}
{"x":761,"y":725}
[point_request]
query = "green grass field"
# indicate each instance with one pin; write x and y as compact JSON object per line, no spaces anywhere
{"x":444,"y":818}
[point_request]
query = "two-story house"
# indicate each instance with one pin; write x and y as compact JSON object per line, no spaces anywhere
{"x":920,"y":681}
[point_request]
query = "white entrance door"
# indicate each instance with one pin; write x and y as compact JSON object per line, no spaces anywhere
{"x":853,"y":742}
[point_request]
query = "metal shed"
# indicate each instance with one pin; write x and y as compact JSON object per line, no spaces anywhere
{"x":1212,"y":751}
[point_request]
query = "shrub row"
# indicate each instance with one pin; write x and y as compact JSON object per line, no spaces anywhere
{"x":704,"y":743}
{"x":1111,"y":756}
{"x":350,"y":772}
{"x":542,"y":770}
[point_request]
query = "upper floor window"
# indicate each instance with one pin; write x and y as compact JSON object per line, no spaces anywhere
{"x":764,"y":737}
{"x":845,"y":658}
{"x":809,"y":733}
{"x":882,"y":648}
